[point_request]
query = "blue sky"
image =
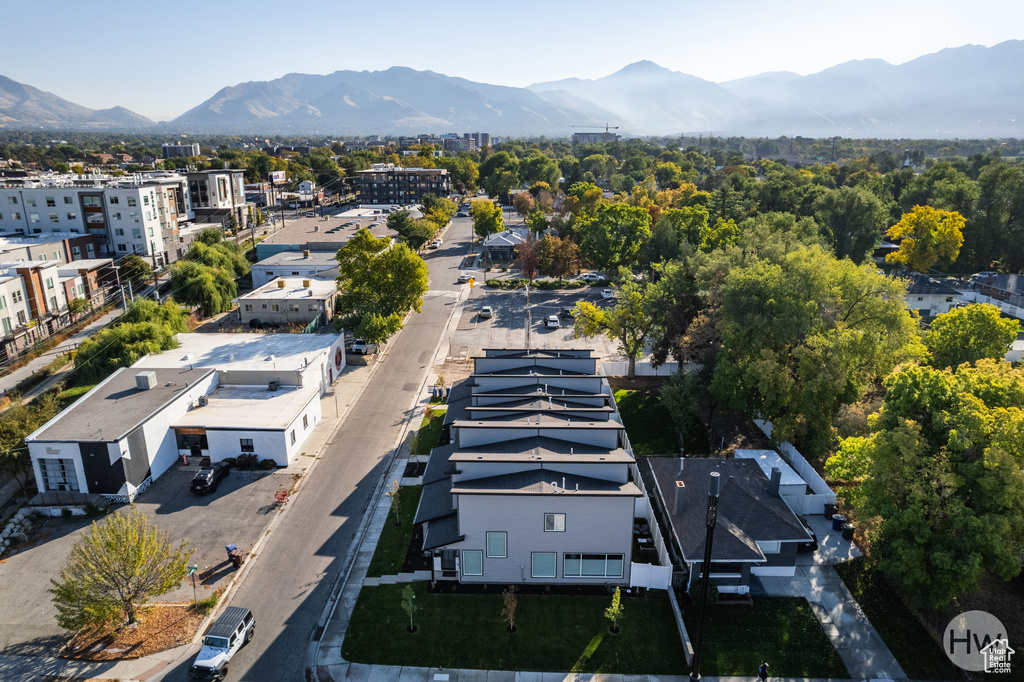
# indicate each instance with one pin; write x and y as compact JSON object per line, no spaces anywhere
{"x":161,"y":59}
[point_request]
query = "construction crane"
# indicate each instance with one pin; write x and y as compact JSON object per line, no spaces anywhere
{"x":606,"y":126}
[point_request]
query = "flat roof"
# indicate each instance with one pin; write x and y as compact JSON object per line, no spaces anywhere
{"x":329,"y":230}
{"x":315,"y":258}
{"x":88,"y":263}
{"x":241,"y":351}
{"x":116,"y":406}
{"x":769,"y":459}
{"x":249,"y":407}
{"x":293,"y":289}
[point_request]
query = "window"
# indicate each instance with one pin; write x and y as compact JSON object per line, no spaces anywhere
{"x":3,"y":302}
{"x":68,"y":200}
{"x":248,"y":307}
{"x":293,"y":307}
{"x":770,"y":547}
{"x":949,"y":299}
{"x":76,"y":251}
{"x":270,"y":273}
{"x":132,"y":201}
{"x":275,"y":307}
{"x":31,"y":201}
{"x":116,"y":216}
{"x":16,"y":215}
{"x":122,"y":247}
{"x":7,"y":325}
{"x":56,"y":255}
{"x":554,"y":523}
{"x":53,"y":303}
{"x":151,"y":232}
{"x":21,"y":317}
{"x":305,"y":421}
{"x":34,"y":217}
{"x":51,"y":202}
{"x":94,"y":218}
{"x":133,"y":216}
{"x":295,"y":274}
{"x":58,"y":474}
{"x":149,"y":215}
{"x":115,"y":200}
{"x":72,"y":215}
{"x":472,"y":562}
{"x":90,"y":201}
{"x":542,"y":565}
{"x":245,"y":444}
{"x":920,"y":298}
{"x":42,"y":256}
{"x":145,"y":201}
{"x":592,"y":566}
{"x":186,"y":441}
{"x":136,"y":233}
{"x":119,"y":232}
{"x":49,"y":282}
{"x":13,"y":200}
{"x":16,"y":296}
{"x":497,"y":544}
{"x":54,"y":218}
{"x":293,"y":436}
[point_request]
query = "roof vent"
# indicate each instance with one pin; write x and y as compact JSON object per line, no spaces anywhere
{"x":145,"y":380}
{"x":274,"y":385}
{"x":204,"y":401}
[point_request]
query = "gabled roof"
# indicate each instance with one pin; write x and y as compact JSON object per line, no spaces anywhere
{"x":441,"y":532}
{"x":919,"y":285}
{"x":506,"y":238}
{"x":535,"y":389}
{"x":538,"y":449}
{"x":532,"y":370}
{"x":543,"y":482}
{"x":747,"y":512}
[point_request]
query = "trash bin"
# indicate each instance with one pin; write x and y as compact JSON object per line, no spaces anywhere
{"x":830,"y":510}
{"x":848,"y":531}
{"x":837,"y":521}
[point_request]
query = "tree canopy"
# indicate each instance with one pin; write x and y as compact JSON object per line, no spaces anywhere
{"x":927,"y":236}
{"x":969,"y":334}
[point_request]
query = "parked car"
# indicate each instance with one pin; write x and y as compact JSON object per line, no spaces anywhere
{"x":485,"y":312}
{"x":208,"y":478}
{"x":607,"y":293}
{"x":551,"y":322}
{"x":233,"y":630}
{"x":812,"y":544}
{"x":309,"y":214}
{"x":593,"y":277}
{"x":566,"y":314}
{"x":361,"y":347}
{"x":436,"y":244}
{"x":986,"y":274}
{"x":464,"y":278}
{"x":462,"y":214}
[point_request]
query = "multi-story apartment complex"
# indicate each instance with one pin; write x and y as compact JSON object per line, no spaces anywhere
{"x":217,"y":194}
{"x":170,"y":150}
{"x":386,"y":183}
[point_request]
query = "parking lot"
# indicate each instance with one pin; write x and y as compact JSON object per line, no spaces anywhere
{"x":237,"y":513}
{"x":507,"y":327}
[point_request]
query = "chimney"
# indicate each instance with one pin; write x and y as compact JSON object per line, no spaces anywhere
{"x":773,"y":484}
{"x":682,"y":464}
{"x":680,"y":496}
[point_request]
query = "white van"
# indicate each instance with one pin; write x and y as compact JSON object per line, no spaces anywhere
{"x":233,"y":630}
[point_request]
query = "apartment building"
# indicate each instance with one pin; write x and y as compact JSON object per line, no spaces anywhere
{"x":172,"y":150}
{"x":386,"y":183}
{"x":217,"y":194}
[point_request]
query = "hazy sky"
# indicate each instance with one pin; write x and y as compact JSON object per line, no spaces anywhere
{"x":161,"y":59}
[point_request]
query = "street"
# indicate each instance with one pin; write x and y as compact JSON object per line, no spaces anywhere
{"x":291,"y":580}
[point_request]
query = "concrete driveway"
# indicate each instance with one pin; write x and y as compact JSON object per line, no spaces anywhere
{"x":237,"y":513}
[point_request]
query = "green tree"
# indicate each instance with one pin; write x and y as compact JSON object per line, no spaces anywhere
{"x":631,"y":321}
{"x":211,"y":289}
{"x":174,"y":317}
{"x":523,"y":203}
{"x":377,"y":328}
{"x":409,"y":605}
{"x":853,"y":220}
{"x":414,"y":232}
{"x":16,"y":422}
{"x":927,"y":236}
{"x":942,"y":478}
{"x":121,"y":346}
{"x":115,"y":569}
{"x":135,"y":270}
{"x":558,"y":257}
{"x":969,"y":334}
{"x":394,"y":494}
{"x":616,"y":236}
{"x":78,"y":306}
{"x":616,"y":610}
{"x":487,"y":218}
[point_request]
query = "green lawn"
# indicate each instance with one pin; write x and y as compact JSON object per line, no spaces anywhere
{"x":394,"y":540}
{"x":781,"y":631}
{"x":650,"y":427}
{"x":556,"y":633}
{"x":918,"y":654}
{"x":430,"y":432}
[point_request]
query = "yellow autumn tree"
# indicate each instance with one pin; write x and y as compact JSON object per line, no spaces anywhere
{"x":927,"y":236}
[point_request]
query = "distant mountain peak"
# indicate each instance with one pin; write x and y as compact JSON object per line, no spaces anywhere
{"x":644,"y":66}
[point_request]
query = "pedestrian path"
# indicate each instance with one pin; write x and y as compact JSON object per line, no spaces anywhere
{"x":397,"y":579}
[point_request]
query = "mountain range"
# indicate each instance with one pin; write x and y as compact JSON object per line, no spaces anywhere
{"x":969,"y":91}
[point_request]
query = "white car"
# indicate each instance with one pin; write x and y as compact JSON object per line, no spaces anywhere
{"x":464,"y":279}
{"x":309,"y":214}
{"x":592,"y":277}
{"x":436,"y":244}
{"x":551,"y":322}
{"x":607,"y":293}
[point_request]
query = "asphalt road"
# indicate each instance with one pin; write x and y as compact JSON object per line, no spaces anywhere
{"x":290,"y":582}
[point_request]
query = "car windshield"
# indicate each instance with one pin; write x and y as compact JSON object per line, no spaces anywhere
{"x":216,"y":642}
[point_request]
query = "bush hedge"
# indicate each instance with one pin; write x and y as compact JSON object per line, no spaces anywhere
{"x":545,"y":284}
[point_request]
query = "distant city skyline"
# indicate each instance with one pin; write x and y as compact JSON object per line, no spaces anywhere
{"x":160,"y":60}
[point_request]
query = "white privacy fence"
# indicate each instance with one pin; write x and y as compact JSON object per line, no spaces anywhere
{"x":660,"y":579}
{"x":650,"y":576}
{"x":643,"y":369}
{"x":821,"y":493}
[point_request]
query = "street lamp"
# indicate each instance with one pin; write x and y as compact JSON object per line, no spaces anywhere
{"x":710,"y":521}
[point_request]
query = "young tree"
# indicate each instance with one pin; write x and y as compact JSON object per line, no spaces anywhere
{"x":969,"y":334}
{"x":557,"y":257}
{"x":78,"y":306}
{"x":394,"y":494}
{"x":409,"y":605}
{"x":928,"y":236}
{"x":528,"y":258}
{"x":631,"y":321}
{"x":509,"y":604}
{"x":487,"y":218}
{"x":523,"y":203}
{"x":115,"y":569}
{"x":615,"y":612}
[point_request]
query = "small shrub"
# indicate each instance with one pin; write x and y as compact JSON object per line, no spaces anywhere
{"x":66,"y":514}
{"x":204,"y":606}
{"x":246,"y":461}
{"x":267,"y":464}
{"x":230,"y":461}
{"x":93,"y":509}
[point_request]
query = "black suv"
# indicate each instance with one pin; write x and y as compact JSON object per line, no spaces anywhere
{"x":208,"y":477}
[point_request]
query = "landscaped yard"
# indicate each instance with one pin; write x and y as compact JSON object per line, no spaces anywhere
{"x":918,"y":654}
{"x":555,"y":633}
{"x":650,"y":427}
{"x":781,"y":631}
{"x":430,"y":431}
{"x":394,"y":540}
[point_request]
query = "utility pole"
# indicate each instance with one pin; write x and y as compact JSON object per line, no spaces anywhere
{"x":528,"y":319}
{"x":710,"y":521}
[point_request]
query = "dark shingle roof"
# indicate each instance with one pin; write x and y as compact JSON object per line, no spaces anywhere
{"x":922,"y":284}
{"x":441,"y":532}
{"x":539,"y":449}
{"x":538,"y":388}
{"x":747,"y":513}
{"x":539,"y":482}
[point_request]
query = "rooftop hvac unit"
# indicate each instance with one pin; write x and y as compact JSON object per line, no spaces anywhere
{"x":305,"y":254}
{"x":274,"y":385}
{"x":204,"y":401}
{"x":281,"y":284}
{"x":305,"y":283}
{"x":316,"y":228}
{"x":145,"y":380}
